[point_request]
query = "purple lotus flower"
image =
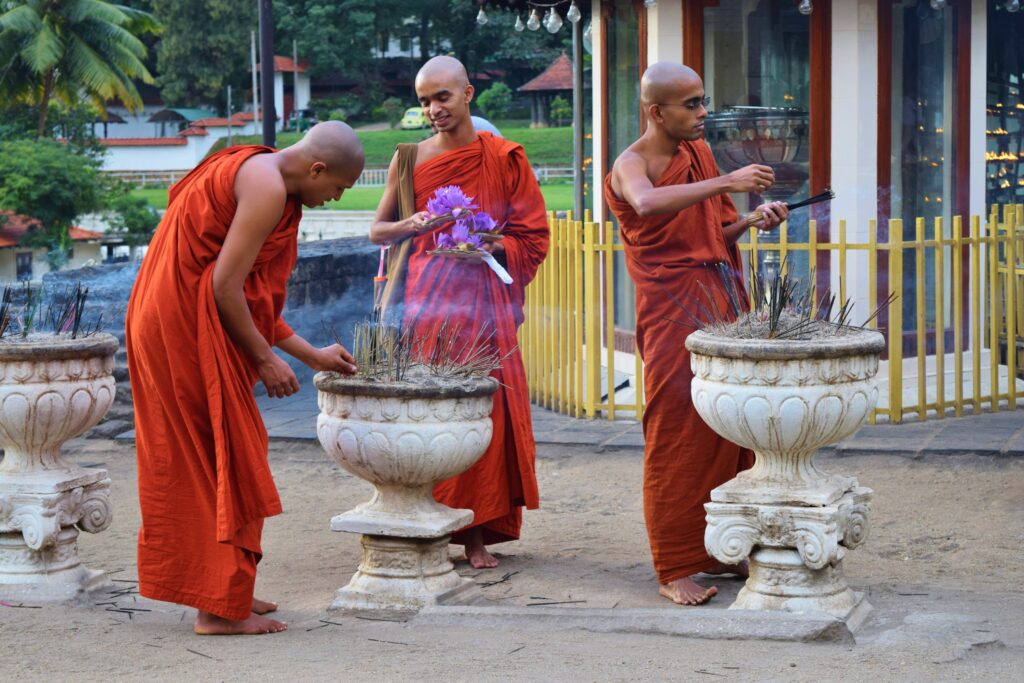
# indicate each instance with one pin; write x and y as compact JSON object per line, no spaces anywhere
{"x":450,"y":200}
{"x":481,"y":222}
{"x":444,"y":241}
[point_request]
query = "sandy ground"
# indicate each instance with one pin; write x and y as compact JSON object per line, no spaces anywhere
{"x":942,"y":568}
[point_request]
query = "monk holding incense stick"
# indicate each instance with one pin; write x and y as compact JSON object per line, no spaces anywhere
{"x":498,"y":177}
{"x":678,"y":226}
{"x":204,"y":316}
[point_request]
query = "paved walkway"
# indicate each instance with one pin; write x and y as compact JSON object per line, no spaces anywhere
{"x":993,"y":434}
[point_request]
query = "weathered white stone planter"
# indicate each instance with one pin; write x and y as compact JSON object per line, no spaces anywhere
{"x":784,"y":400}
{"x":404,"y":438}
{"x":51,"y":390}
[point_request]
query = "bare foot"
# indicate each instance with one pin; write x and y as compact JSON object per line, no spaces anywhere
{"x":211,"y":625}
{"x":686,"y":591}
{"x":263,"y":606}
{"x":742,"y":569}
{"x":477,"y":554}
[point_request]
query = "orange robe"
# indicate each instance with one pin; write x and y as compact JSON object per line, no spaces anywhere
{"x":497,"y":173}
{"x":204,"y":481}
{"x":684,"y":459}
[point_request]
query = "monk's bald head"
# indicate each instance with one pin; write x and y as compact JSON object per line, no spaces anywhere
{"x":667,"y":82}
{"x":447,"y":69}
{"x":325,"y":162}
{"x":444,"y":92}
{"x":335,"y":144}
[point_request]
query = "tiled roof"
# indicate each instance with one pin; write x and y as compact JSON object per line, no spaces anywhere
{"x":282,"y":63}
{"x":558,"y":76}
{"x":142,"y":142}
{"x":194,"y":130}
{"x":239,"y":119}
{"x":14,"y":227}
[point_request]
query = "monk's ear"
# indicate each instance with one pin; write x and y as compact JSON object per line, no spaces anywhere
{"x":654,"y":113}
{"x":469,"y":91}
{"x":316,"y":168}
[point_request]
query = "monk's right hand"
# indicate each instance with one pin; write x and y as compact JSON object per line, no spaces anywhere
{"x":753,"y":178}
{"x":277,"y":377}
{"x":417,"y":223}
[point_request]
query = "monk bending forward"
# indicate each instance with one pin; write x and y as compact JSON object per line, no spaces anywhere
{"x":203,"y":317}
{"x":497,"y":174}
{"x":677,"y":223}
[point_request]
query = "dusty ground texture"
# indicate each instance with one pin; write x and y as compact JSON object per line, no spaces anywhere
{"x":942,"y":568}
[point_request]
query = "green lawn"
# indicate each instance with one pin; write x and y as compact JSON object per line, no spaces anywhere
{"x":548,"y":146}
{"x":556,"y":197}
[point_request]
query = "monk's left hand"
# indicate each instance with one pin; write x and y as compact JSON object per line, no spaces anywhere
{"x":774,"y":214}
{"x":494,"y":247}
{"x":334,"y":357}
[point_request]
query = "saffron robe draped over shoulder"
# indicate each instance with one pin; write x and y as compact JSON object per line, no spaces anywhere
{"x":497,"y":174}
{"x":684,"y":458}
{"x":204,"y":482}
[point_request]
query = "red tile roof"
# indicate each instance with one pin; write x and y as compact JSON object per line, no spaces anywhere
{"x":286,"y":64}
{"x":14,"y":226}
{"x":142,"y":142}
{"x":194,"y":130}
{"x":558,"y":76}
{"x":239,"y":119}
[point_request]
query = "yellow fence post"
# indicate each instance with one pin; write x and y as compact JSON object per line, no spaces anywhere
{"x":940,"y":325}
{"x":1010,"y":288}
{"x":577,"y":243}
{"x":976,"y":312}
{"x":609,"y":313}
{"x":956,"y":292}
{"x":592,"y":295}
{"x":896,"y":321}
{"x":920,"y":328}
{"x":994,"y":310}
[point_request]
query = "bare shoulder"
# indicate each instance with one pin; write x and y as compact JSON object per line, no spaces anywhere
{"x":427,"y":150}
{"x":261,"y":176}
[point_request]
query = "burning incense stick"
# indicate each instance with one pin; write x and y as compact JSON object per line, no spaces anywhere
{"x":757,"y":216}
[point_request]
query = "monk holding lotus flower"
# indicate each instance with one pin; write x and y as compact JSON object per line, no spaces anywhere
{"x":466,"y":184}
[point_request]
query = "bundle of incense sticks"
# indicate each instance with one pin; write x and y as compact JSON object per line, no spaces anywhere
{"x":757,"y":216}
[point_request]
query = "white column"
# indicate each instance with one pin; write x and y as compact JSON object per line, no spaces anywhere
{"x":854,"y":163}
{"x":599,"y":86}
{"x":665,"y":32}
{"x":279,"y":99}
{"x":978,"y":165}
{"x":302,"y":92}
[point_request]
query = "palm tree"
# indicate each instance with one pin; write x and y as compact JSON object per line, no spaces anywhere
{"x":64,"y":49}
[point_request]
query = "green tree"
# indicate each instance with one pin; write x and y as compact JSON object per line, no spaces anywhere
{"x":130,"y":216}
{"x":53,"y":183}
{"x":204,"y":48}
{"x":496,"y":100}
{"x":561,"y":110}
{"x":61,"y":49}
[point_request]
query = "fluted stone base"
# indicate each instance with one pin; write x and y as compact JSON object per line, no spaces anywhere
{"x":779,"y":580}
{"x":53,"y":573}
{"x":405,"y":574}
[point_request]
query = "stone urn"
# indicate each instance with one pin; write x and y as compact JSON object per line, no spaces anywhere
{"x":404,"y":437}
{"x":52,"y":388}
{"x":785,"y":399}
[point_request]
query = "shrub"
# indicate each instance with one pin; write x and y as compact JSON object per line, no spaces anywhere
{"x":561,"y":110}
{"x":495,"y":101}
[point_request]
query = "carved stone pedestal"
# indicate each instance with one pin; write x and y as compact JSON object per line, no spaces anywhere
{"x":795,"y":553}
{"x":403,"y":438}
{"x":50,"y":391}
{"x":795,"y":522}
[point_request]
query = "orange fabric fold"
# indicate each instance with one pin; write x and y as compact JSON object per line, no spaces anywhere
{"x":204,"y":482}
{"x":684,"y":458}
{"x":496,"y":172}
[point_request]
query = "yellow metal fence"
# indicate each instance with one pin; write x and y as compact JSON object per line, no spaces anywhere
{"x":964,"y":350}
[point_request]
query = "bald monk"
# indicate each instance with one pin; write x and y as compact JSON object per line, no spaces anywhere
{"x":203,"y":318}
{"x":676,"y":222}
{"x":497,"y":173}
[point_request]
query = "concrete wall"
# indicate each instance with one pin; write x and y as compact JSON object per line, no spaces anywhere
{"x":332,"y":284}
{"x":159,"y":157}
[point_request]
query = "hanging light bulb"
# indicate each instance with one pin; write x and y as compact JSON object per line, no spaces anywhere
{"x":533,"y":23}
{"x":1012,"y":5}
{"x":588,"y":36}
{"x":938,"y":4}
{"x":649,"y":4}
{"x":805,"y":7}
{"x":573,"y":14}
{"x":520,"y":26}
{"x":554,"y":21}
{"x":481,"y":17}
